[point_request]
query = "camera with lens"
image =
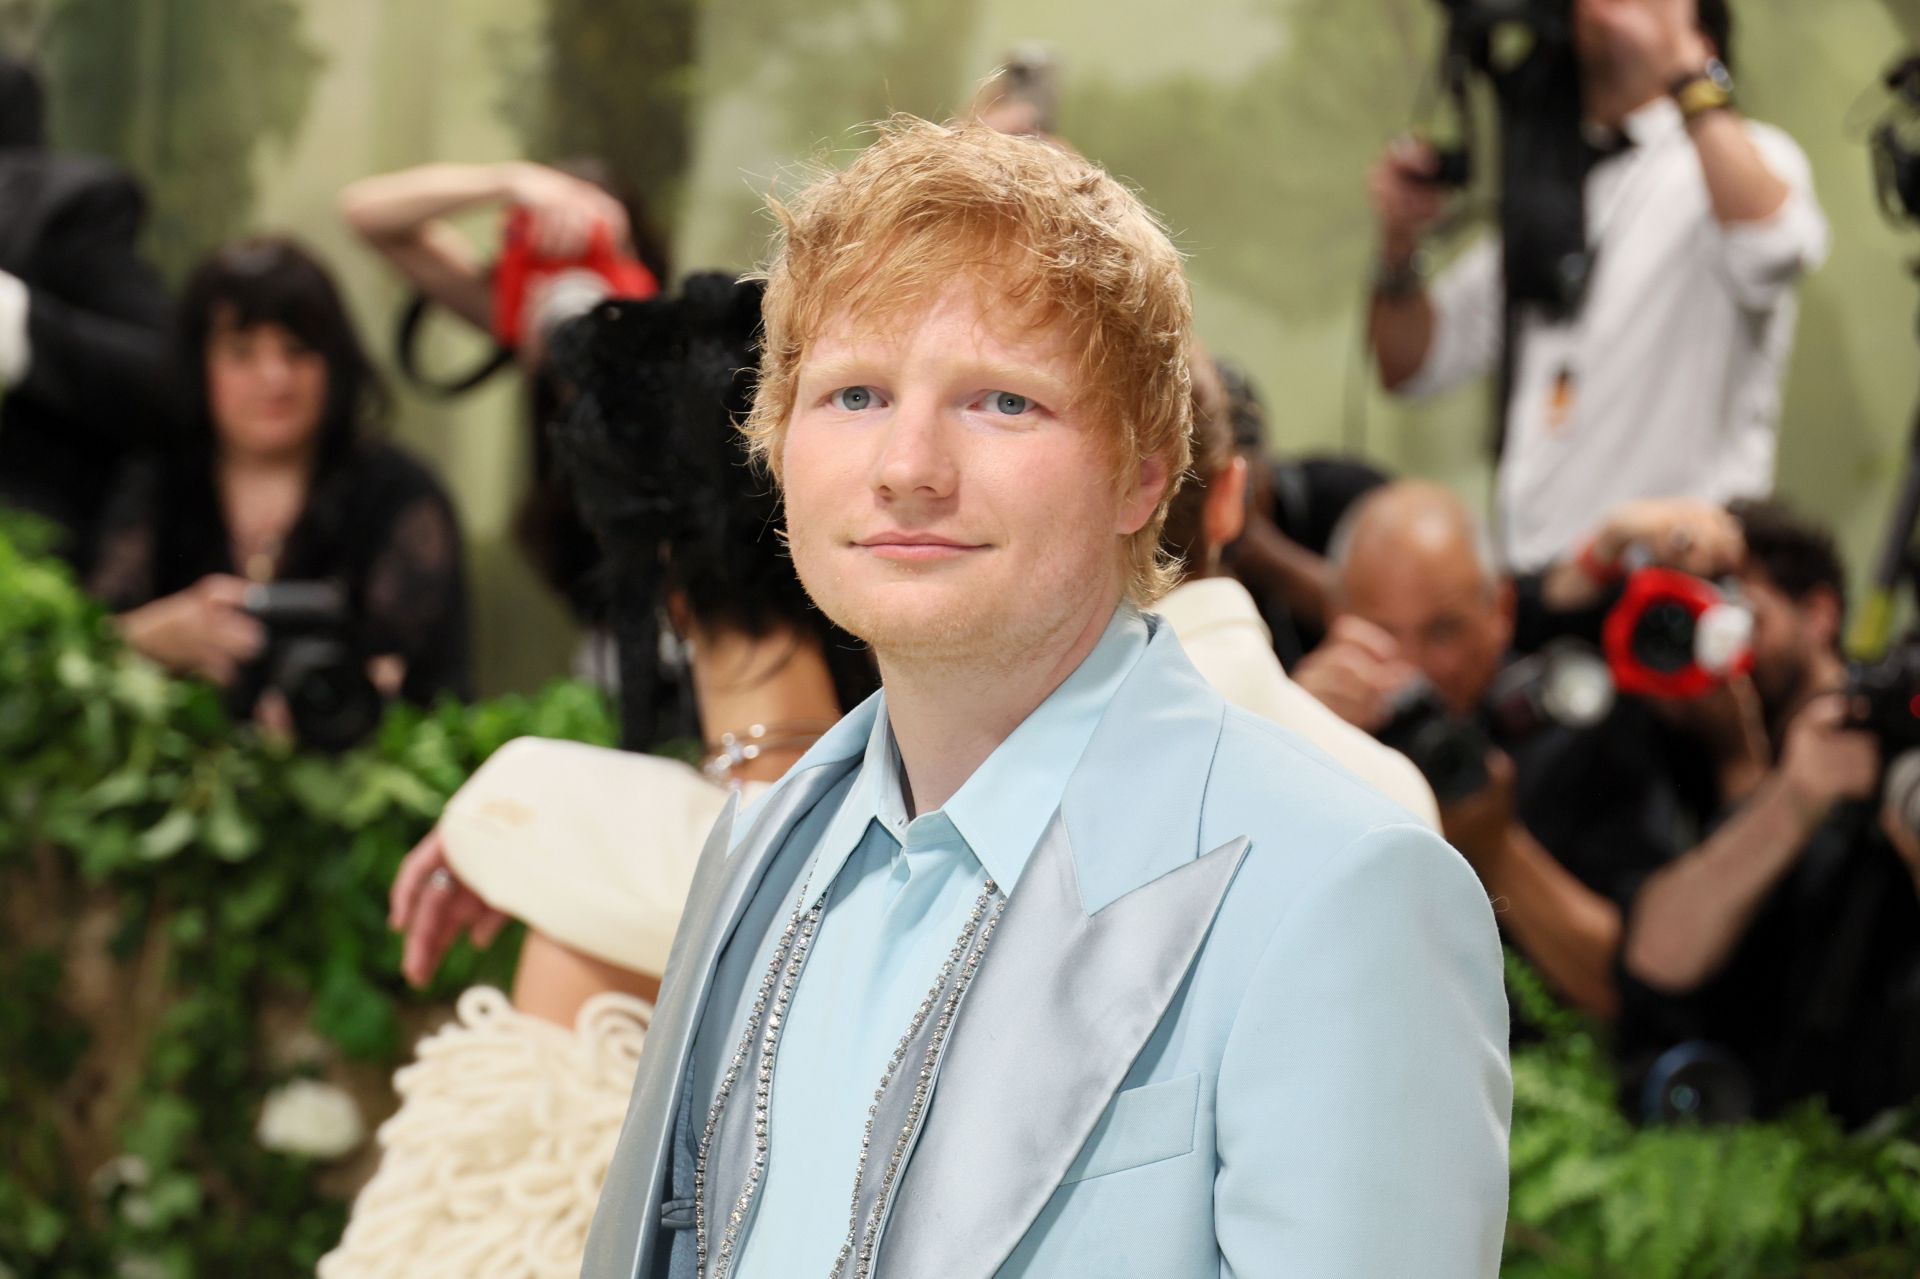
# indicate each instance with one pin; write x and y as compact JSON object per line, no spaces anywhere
{"x":1885,"y":696}
{"x":314,"y":660}
{"x":1674,"y":636}
{"x":536,"y":293}
{"x":1566,"y":684}
{"x":1885,"y":701}
{"x":1696,"y":1082}
{"x":1450,"y":751}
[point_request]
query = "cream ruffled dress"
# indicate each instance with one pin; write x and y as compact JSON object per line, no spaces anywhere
{"x":492,"y":1166}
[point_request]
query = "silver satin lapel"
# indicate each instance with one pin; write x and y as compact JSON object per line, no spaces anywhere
{"x":1061,"y":1007}
{"x":625,"y":1223}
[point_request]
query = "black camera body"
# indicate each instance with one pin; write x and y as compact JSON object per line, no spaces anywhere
{"x":314,"y":660}
{"x":1450,"y":751}
{"x":1565,"y":684}
{"x":1525,"y":50}
{"x":1885,"y":696}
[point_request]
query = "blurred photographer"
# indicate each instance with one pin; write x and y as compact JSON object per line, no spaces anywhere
{"x":1780,"y":959}
{"x":569,"y":217}
{"x":83,"y":322}
{"x":1666,"y":379}
{"x":280,"y":550}
{"x":1561,"y":808}
{"x":1219,"y":625}
{"x":1293,"y":505}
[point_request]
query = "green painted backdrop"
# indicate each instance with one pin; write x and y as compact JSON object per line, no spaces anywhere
{"x":1248,"y":123}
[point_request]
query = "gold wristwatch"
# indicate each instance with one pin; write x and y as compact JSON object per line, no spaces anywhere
{"x":1708,"y":89}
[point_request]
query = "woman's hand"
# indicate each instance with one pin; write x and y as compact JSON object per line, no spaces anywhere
{"x":433,"y":908}
{"x":203,"y":630}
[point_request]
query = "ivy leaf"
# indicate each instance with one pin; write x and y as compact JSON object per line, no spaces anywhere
{"x":141,"y":687}
{"x":355,"y":1014}
{"x":229,"y":834}
{"x":106,"y":848}
{"x":115,"y":790}
{"x":253,"y":904}
{"x":189,"y":927}
{"x":175,"y":1196}
{"x":169,"y":835}
{"x":75,"y":669}
{"x":159,"y":1132}
{"x":43,"y":1228}
{"x":318,"y":786}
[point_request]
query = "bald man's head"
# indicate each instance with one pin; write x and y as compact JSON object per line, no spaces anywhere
{"x":1413,"y":560}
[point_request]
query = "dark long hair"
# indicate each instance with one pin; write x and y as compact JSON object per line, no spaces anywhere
{"x":272,"y":280}
{"x":652,"y":445}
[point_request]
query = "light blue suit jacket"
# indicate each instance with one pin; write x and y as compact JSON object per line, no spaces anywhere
{"x":1242,"y":1017}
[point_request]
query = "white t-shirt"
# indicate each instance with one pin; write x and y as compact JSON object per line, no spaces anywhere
{"x":1667,"y":381}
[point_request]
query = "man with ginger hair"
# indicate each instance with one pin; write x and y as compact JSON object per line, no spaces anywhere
{"x":1043,"y":961}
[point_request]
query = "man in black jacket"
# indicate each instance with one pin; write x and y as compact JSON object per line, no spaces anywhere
{"x":83,"y":323}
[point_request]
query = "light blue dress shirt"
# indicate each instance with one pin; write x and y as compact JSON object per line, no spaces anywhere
{"x":900,"y":893}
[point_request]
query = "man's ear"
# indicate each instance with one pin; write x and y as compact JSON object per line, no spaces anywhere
{"x":1149,"y":487}
{"x":1225,"y":514}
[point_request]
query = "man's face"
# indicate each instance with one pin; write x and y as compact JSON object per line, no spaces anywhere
{"x":1438,"y":605}
{"x":948,"y":494}
{"x":1785,"y":639}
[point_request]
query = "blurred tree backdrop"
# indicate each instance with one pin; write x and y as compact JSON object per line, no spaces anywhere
{"x":1249,"y":123}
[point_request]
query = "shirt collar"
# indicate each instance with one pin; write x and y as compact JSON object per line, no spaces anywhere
{"x":1001,"y":811}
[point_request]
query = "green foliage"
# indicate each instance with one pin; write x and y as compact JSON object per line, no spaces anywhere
{"x":261,"y":875}
{"x":1595,"y":1198}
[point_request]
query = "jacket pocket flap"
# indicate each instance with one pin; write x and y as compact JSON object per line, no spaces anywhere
{"x":1142,"y":1126}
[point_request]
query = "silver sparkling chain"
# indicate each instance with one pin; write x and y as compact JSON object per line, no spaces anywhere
{"x":764,"y":1025}
{"x":789,"y":955}
{"x":966,"y":954}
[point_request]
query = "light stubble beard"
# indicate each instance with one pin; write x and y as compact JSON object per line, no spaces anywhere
{"x":976,"y":646}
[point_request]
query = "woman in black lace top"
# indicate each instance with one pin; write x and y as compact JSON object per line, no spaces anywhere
{"x":275,"y":477}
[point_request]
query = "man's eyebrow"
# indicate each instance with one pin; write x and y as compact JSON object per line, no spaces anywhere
{"x":989,"y":374}
{"x":835,"y":368}
{"x":1057,"y":394}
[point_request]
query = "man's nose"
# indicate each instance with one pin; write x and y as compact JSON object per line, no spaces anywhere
{"x":915,"y":456}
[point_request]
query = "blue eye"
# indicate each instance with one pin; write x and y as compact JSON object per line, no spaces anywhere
{"x":851,"y":398}
{"x":1008,"y":403}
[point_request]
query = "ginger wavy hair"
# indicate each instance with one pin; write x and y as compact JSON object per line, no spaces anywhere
{"x":1035,"y":224}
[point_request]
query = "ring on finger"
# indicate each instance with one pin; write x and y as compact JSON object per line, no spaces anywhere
{"x":441,"y":878}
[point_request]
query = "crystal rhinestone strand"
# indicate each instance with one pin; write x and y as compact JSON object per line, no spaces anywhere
{"x":765,"y":1022}
{"x":775,"y":992}
{"x":859,"y":1245}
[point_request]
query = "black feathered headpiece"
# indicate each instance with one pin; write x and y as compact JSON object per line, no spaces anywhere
{"x":650,"y":439}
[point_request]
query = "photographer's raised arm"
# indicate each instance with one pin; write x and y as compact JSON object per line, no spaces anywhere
{"x":1406,"y":204}
{"x":1426,"y":340}
{"x":1758,"y":182}
{"x":1690,"y":916}
{"x":1740,"y":182}
{"x":403,"y":215}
